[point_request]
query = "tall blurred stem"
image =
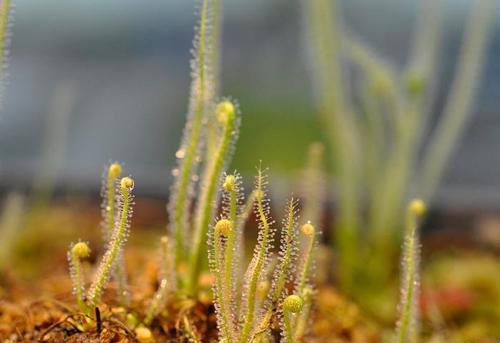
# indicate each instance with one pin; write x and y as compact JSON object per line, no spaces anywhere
{"x":326,"y":66}
{"x":460,"y":99}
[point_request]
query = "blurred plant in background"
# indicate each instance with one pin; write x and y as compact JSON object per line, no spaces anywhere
{"x":376,"y":132}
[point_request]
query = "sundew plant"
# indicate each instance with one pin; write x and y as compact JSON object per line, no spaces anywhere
{"x":274,"y":292}
{"x":212,"y":283}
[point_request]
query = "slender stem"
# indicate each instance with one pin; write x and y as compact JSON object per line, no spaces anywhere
{"x":208,"y":197}
{"x":213,"y":62}
{"x":286,"y":260}
{"x":180,"y":198}
{"x":287,"y":251}
{"x":229,"y":248}
{"x":158,"y":300}
{"x":108,"y":261}
{"x":75,"y":254}
{"x":120,"y":275}
{"x":258,"y":261}
{"x":308,"y":257}
{"x":288,"y":332}
{"x":78,"y":279}
{"x":114,"y":172}
{"x":222,"y":295}
{"x":407,"y":324}
{"x":339,"y":123}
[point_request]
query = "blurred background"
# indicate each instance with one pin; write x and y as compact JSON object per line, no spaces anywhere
{"x":110,"y":79}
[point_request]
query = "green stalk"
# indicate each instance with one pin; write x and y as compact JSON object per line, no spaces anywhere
{"x":229,"y":118}
{"x":77,"y":252}
{"x":408,"y":321}
{"x":119,"y":274}
{"x":180,"y":196}
{"x":310,"y":232}
{"x":285,"y":261}
{"x":230,"y":187}
{"x":290,"y":242}
{"x":114,"y":172}
{"x":115,"y":248}
{"x":213,"y":62}
{"x":257,"y":261}
{"x":223,"y":228}
{"x":302,"y":287}
{"x":340,"y":126}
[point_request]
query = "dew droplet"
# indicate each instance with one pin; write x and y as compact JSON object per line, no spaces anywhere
{"x":180,"y":153}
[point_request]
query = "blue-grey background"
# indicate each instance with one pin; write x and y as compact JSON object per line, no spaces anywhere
{"x":129,"y":61}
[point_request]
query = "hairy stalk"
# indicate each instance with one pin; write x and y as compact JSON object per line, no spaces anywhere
{"x":181,"y":193}
{"x":309,"y":232}
{"x":291,"y":305}
{"x":286,"y":259}
{"x":229,"y":118}
{"x":115,"y":246}
{"x":77,"y":252}
{"x":109,"y":212}
{"x":241,"y":219}
{"x":231,"y":186}
{"x":222,"y":230}
{"x":460,"y":99}
{"x":213,"y":63}
{"x":109,"y":200}
{"x":161,"y":294}
{"x":303,"y":284}
{"x":288,"y":251}
{"x":258,"y":261}
{"x":407,"y":327}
